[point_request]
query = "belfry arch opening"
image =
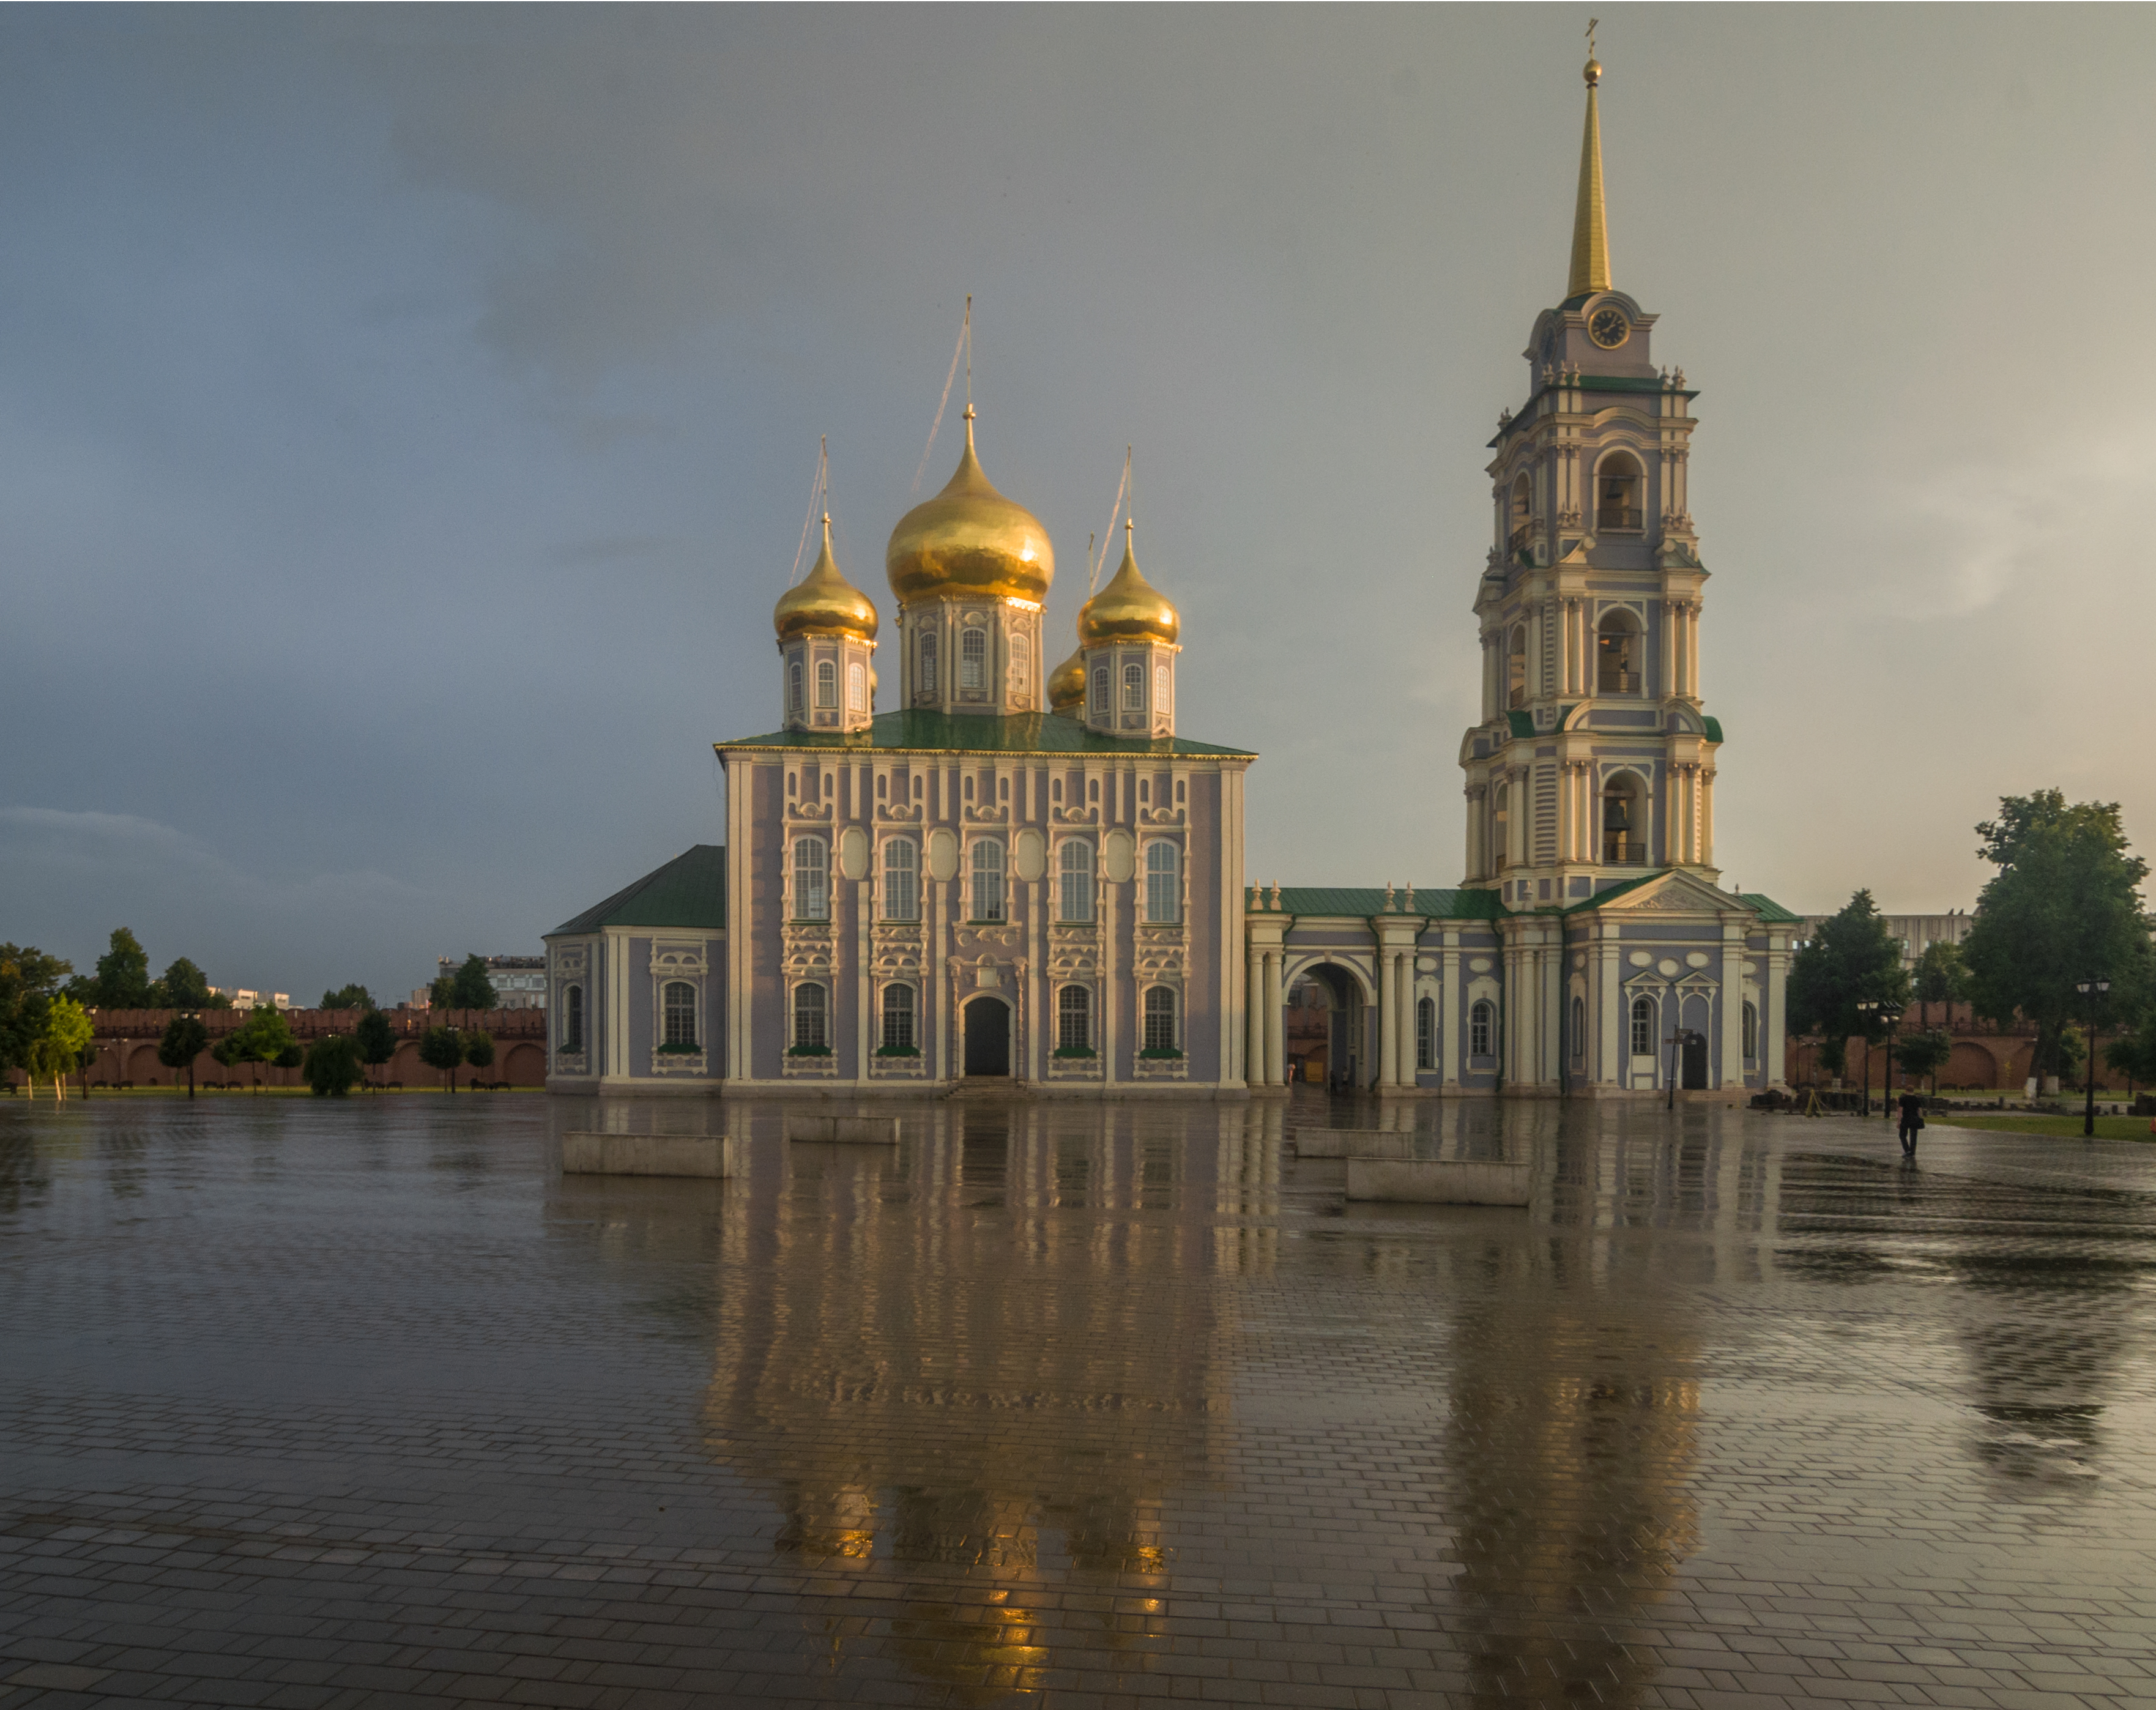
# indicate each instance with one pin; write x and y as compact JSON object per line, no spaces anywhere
{"x":1516,"y":667}
{"x":1617,"y":495}
{"x":1326,"y":1029}
{"x":1519,"y":513}
{"x":1617,"y":653}
{"x":1625,"y":820}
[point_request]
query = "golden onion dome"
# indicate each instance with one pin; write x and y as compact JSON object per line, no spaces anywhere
{"x":824,"y":603}
{"x":1066,"y":683}
{"x":1129,"y":608}
{"x":970,"y":542}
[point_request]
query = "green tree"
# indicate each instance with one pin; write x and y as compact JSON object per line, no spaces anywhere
{"x":265,"y":1037}
{"x":478,"y":1049}
{"x":471,"y":989}
{"x":375,"y":1039}
{"x":225,"y":1051}
{"x":2064,"y":907}
{"x":290,"y":1057}
{"x":351,"y":997}
{"x":28,"y":980}
{"x":441,"y":990}
{"x":184,"y":1039}
{"x":183,"y":986}
{"x":1941,"y":977}
{"x":1924,"y":1054}
{"x":1850,"y":960}
{"x":443,"y":1048}
{"x":122,"y":978}
{"x":2133,"y":1054}
{"x":333,"y":1065}
{"x":58,"y":1050}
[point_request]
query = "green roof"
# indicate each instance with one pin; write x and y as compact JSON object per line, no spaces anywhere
{"x":689,"y":890}
{"x":1363,"y":901}
{"x":1522,"y":723}
{"x":1768,"y":909}
{"x":1714,"y":728}
{"x":941,"y":732}
{"x":1763,"y":905}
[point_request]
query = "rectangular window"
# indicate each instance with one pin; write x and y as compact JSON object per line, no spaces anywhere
{"x":680,"y":1007}
{"x":1426,"y":1034}
{"x":1133,"y":688}
{"x":1164,"y":885}
{"x":1159,"y":1019}
{"x":1021,"y":664}
{"x":974,"y":659}
{"x":1076,"y":868}
{"x":857,"y":688}
{"x":987,"y":880}
{"x":827,"y":683}
{"x":1643,"y":1027}
{"x":812,"y":894}
{"x":901,"y":880}
{"x":1100,"y":689}
{"x":898,"y":1018}
{"x":1074,"y":1019}
{"x":1478,"y":1029}
{"x":928,"y":662}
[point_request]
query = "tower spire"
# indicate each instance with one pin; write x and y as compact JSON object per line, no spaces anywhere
{"x":1590,"y":234}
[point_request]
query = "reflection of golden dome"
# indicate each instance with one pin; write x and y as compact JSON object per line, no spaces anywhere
{"x":969,"y":542}
{"x":1129,"y":608}
{"x":825,"y":603}
{"x":1067,"y":684}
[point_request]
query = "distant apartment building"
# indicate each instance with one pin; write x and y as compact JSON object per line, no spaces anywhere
{"x":243,"y":999}
{"x":1915,"y":933}
{"x":520,"y":982}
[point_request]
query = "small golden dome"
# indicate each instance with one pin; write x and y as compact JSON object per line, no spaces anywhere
{"x":824,"y":603}
{"x":969,"y":542}
{"x":1066,"y":683}
{"x":1129,"y":608}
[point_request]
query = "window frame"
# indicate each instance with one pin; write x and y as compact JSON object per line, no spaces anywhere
{"x":797,"y":694}
{"x":572,"y":1039}
{"x":799,"y":1011}
{"x":1641,"y":1012}
{"x":927,"y":660}
{"x":1102,"y":689}
{"x":1156,"y":890}
{"x":888,"y":1020}
{"x":816,"y":871}
{"x":1425,"y":1033}
{"x":826,"y":685}
{"x":1074,"y":1004}
{"x":669,"y":1013}
{"x":1161,"y":1033}
{"x":900,"y":866}
{"x":1134,"y":686}
{"x":972,"y":657}
{"x":1482,"y":1029}
{"x":977,"y":882}
{"x":857,"y":687}
{"x":1077,"y":879}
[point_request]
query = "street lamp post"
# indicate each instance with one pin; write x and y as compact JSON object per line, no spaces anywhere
{"x":1867,"y":1007}
{"x":1889,"y":1016}
{"x":2093,"y":990}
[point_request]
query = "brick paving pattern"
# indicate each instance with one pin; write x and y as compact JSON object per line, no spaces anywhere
{"x":324,"y":1405}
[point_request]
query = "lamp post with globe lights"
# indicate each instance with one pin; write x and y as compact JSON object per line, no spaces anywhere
{"x":2093,"y":990}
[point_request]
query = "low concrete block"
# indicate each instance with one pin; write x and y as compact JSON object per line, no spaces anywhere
{"x":707,"y":1155}
{"x":1434,"y":1182}
{"x":849,"y":1131}
{"x":1352,"y":1142}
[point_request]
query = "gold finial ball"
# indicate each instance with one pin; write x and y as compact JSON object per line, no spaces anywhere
{"x":1593,"y":74}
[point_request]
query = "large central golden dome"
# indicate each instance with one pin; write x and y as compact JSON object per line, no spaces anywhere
{"x":1129,"y":608}
{"x":970,"y":542}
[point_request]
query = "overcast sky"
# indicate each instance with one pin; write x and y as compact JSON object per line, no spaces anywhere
{"x":407,"y":418}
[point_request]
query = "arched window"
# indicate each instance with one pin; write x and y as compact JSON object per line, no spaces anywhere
{"x":810,"y":1016}
{"x":1617,"y":493}
{"x":898,"y":1018}
{"x":1617,"y":654}
{"x":1164,"y":884}
{"x":1133,"y":688}
{"x":901,"y":880}
{"x":793,"y":687}
{"x":1624,"y":821}
{"x":1521,"y":514}
{"x":857,"y":688}
{"x":974,"y":659}
{"x":812,"y":873}
{"x":573,"y":1019}
{"x":1076,"y":868}
{"x":929,"y":662}
{"x":1426,"y":1033}
{"x":1643,"y":1027}
{"x":677,"y":1005}
{"x":1751,"y":1030}
{"x":1579,"y":1029}
{"x":1500,"y":827}
{"x":1074,"y":1019}
{"x":1516,"y":667}
{"x":1021,"y":664}
{"x":1160,"y":1020}
{"x":827,"y":682}
{"x":1480,"y":1023}
{"x":1100,"y":689}
{"x":987,"y":880}
{"x":1162,"y":687}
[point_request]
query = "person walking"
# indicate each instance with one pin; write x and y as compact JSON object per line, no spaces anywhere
{"x":1912,"y":1120}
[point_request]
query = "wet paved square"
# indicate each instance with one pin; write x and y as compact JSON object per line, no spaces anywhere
{"x":324,"y":1405}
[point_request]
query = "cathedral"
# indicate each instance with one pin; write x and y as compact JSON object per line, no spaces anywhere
{"x":1027,"y":876}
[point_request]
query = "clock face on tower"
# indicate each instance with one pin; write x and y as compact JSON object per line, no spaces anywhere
{"x":1608,"y":328}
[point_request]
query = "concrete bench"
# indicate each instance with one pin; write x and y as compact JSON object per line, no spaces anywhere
{"x":847,"y":1131}
{"x":707,"y":1155}
{"x":1352,"y":1142}
{"x":1434,"y":1181}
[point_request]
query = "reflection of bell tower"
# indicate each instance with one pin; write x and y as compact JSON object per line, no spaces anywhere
{"x":1592,"y":762}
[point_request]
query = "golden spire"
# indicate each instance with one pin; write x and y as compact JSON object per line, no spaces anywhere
{"x":1129,"y":608}
{"x":1590,"y":232}
{"x":824,"y":603}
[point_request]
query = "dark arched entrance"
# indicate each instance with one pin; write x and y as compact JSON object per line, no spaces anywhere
{"x":988,"y":1037}
{"x":1326,"y":1028}
{"x":1695,"y":1060}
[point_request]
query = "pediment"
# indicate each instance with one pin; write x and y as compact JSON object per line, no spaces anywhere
{"x":1674,"y":893}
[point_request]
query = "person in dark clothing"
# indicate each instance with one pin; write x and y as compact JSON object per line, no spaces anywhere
{"x":1912,"y":1120}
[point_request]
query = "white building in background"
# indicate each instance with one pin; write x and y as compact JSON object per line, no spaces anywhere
{"x":1916,"y":933}
{"x":519,"y":981}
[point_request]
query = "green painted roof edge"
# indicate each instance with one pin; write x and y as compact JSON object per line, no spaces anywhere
{"x":1713,"y":728}
{"x":938,"y":732}
{"x":1768,"y":909}
{"x":688,"y":892}
{"x":1522,"y":723}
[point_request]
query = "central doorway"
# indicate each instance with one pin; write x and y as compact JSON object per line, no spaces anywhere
{"x":988,"y":1037}
{"x":1695,"y":1060}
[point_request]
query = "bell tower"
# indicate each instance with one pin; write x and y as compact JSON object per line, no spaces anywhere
{"x":1592,"y":762}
